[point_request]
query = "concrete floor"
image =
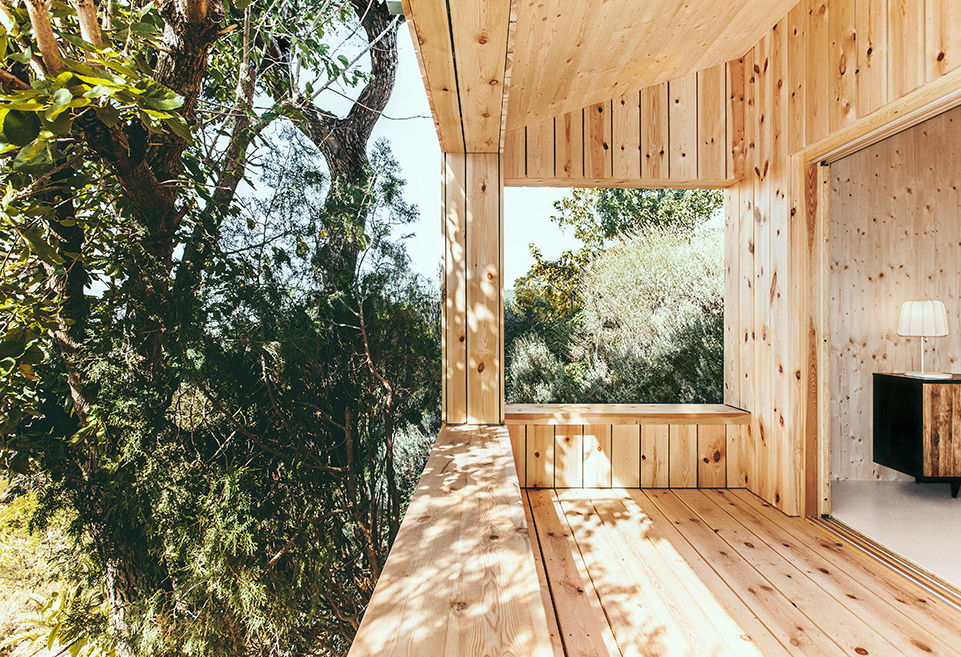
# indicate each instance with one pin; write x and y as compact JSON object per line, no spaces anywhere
{"x":920,"y":522}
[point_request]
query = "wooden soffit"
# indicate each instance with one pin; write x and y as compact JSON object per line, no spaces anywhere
{"x":496,"y":65}
{"x":571,"y":54}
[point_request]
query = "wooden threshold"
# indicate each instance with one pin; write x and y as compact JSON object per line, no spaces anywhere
{"x":625,"y":414}
{"x":720,"y":572}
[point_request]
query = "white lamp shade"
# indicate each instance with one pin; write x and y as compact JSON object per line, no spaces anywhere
{"x":923,"y":318}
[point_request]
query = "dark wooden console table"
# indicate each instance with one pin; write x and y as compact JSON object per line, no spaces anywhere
{"x":917,"y":427}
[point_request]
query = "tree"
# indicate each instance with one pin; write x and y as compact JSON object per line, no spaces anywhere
{"x":548,"y":301}
{"x":211,"y":354}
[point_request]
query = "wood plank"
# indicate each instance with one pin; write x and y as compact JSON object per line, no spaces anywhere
{"x":906,"y":47}
{"x":856,"y":595}
{"x":626,"y":135}
{"x":598,"y":456}
{"x":746,"y":328}
{"x":711,"y":456}
{"x":872,"y":46}
{"x":569,"y":456}
{"x":540,"y":456}
{"x":783,"y":619}
{"x":655,"y":456}
{"x":732,"y":301}
{"x":626,"y":450}
{"x":515,"y":153}
{"x":711,"y":113}
{"x":445,"y":575}
{"x":797,"y":77}
{"x":736,"y":145}
{"x":844,"y":62}
{"x":430,"y":29}
{"x":740,"y":457}
{"x":455,"y":287}
{"x":700,"y":577}
{"x":569,"y":145}
{"x":481,"y":65}
{"x":907,"y":597}
{"x":484,"y":237}
{"x":583,"y":626}
{"x":597,"y":141}
{"x":649,"y":614}
{"x":625,"y":414}
{"x":849,"y":631}
{"x":682,"y":118}
{"x":546,"y":600}
{"x":942,"y":37}
{"x":818,"y":73}
{"x":682,"y":465}
{"x":654,"y":132}
{"x":518,"y":434}
{"x":540,"y":149}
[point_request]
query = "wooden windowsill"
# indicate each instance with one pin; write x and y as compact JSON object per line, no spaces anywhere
{"x":625,"y":414}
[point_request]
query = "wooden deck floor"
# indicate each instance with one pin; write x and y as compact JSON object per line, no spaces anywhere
{"x":702,"y":573}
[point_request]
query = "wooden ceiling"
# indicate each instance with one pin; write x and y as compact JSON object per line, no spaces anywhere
{"x":571,"y":54}
{"x":547,"y":57}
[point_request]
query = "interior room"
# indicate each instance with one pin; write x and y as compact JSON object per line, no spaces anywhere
{"x":895,"y":238}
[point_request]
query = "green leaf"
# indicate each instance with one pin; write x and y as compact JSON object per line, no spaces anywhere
{"x":40,"y":246}
{"x":21,"y":128}
{"x":59,"y":103}
{"x":162,"y":104}
{"x":34,"y":158}
{"x":108,"y":114}
{"x":179,"y":126}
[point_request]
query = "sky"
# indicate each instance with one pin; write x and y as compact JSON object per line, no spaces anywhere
{"x":408,"y":125}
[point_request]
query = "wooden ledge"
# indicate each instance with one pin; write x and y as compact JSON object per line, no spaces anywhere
{"x":461,"y":577}
{"x":625,"y":414}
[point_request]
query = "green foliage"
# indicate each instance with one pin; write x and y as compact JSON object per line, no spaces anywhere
{"x":231,"y":421}
{"x":634,"y":315}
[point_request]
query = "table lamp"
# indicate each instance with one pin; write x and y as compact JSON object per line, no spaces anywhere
{"x":924,"y":319}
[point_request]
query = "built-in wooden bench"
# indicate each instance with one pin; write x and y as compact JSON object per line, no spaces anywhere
{"x":461,"y":577}
{"x":631,"y":445}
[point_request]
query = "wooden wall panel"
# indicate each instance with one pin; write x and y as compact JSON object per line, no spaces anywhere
{"x":598,"y":456}
{"x":943,"y":47}
{"x":682,"y":117}
{"x":568,"y":146}
{"x":597,"y":141}
{"x":569,"y":456}
{"x":655,"y":456}
{"x":540,"y":456}
{"x":518,"y":435}
{"x":484,"y":237}
{"x":626,"y":135}
{"x":540,"y":146}
{"x":685,"y":132}
{"x":711,"y":113}
{"x":711,"y":456}
{"x":905,"y":46}
{"x":843,"y":64}
{"x":455,"y":288}
{"x":872,"y":47}
{"x":732,"y":301}
{"x":515,"y":149}
{"x":682,"y":463}
{"x":633,"y":456}
{"x":894,"y":227}
{"x":654,"y":132}
{"x":626,"y":456}
{"x":818,"y":74}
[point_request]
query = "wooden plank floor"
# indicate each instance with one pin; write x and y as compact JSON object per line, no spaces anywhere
{"x":705,"y":573}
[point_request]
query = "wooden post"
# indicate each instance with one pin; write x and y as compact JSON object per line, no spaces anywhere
{"x":473,"y":361}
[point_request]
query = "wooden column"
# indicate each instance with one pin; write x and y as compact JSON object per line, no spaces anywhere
{"x":473,"y":360}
